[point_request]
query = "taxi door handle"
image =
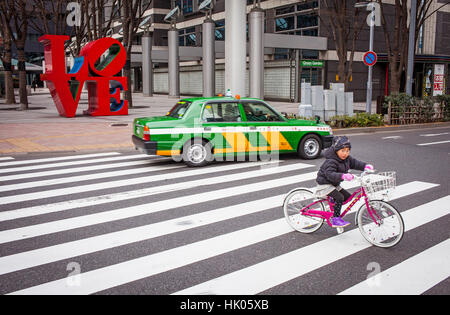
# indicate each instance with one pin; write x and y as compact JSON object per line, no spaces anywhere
{"x":207,"y":128}
{"x":252,"y":128}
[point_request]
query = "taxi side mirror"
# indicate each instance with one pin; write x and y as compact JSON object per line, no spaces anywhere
{"x":317,"y":119}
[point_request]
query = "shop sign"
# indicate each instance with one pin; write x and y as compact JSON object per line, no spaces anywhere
{"x":312,"y":63}
{"x":438,"y":85}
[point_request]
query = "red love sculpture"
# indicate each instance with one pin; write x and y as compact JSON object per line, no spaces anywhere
{"x":65,"y":88}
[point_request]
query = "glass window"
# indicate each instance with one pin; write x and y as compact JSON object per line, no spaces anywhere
{"x":311,"y":32}
{"x":284,"y":24}
{"x":281,"y":53}
{"x":179,"y":109}
{"x":186,"y":6}
{"x":308,"y":5}
{"x":285,"y":10}
{"x":191,"y":40}
{"x":307,"y":20}
{"x":220,"y":30}
{"x":310,"y":54}
{"x":188,"y":37}
{"x":221,"y":112}
{"x":260,"y":112}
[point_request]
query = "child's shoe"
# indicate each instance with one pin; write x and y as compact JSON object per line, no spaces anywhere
{"x":338,"y":222}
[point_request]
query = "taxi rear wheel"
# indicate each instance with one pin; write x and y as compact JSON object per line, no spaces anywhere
{"x":197,"y":152}
{"x":310,"y":147}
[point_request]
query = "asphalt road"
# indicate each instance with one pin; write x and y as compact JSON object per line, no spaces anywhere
{"x":125,"y":223}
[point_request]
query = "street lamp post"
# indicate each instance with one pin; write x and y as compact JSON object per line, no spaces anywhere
{"x":411,"y":47}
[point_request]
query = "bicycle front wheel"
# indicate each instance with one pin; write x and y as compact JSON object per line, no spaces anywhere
{"x":294,"y":203}
{"x":382,"y":226}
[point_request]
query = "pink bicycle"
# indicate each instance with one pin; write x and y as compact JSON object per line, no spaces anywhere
{"x":378,"y":221}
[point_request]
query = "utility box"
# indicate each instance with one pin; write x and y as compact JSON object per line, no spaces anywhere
{"x":329,"y":100}
{"x":349,"y":103}
{"x":306,"y":93}
{"x":305,"y":110}
{"x":340,"y":103}
{"x":317,"y":97}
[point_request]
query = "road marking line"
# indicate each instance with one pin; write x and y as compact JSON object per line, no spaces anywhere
{"x":431,"y":143}
{"x":58,"y":252}
{"x":435,"y":134}
{"x":270,"y":273}
{"x":250,"y":280}
{"x":65,"y":164}
{"x":63,"y":158}
{"x":5,"y":158}
{"x":73,"y":179}
{"x":145,"y":180}
{"x":203,"y":218}
{"x":102,"y":199}
{"x":410,"y":277}
{"x":392,"y":137}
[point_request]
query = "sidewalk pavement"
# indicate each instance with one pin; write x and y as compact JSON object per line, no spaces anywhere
{"x":41,"y":129}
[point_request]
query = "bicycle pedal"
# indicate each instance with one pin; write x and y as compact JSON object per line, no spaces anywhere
{"x":340,"y":230}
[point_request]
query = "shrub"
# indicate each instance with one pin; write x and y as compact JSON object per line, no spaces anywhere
{"x":357,"y":120}
{"x":444,"y":105}
{"x":401,"y":101}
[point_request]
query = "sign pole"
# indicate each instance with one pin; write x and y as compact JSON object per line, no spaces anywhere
{"x":369,"y":79}
{"x":411,"y":47}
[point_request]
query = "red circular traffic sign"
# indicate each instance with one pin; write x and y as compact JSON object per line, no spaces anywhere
{"x":370,"y":58}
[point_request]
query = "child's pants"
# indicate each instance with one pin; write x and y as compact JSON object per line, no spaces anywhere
{"x":339,"y":197}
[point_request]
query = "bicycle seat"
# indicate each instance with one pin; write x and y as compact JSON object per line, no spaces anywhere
{"x":321,"y":191}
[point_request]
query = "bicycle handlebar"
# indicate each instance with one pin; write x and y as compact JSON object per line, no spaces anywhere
{"x":364,"y":173}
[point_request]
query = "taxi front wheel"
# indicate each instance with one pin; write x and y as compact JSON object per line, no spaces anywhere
{"x":197,"y":152}
{"x":310,"y":147}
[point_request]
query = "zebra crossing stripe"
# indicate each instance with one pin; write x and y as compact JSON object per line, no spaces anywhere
{"x":108,"y":174}
{"x":410,"y":277}
{"x":275,"y":271}
{"x":173,"y":226}
{"x":161,"y":178}
{"x":62,"y":158}
{"x":81,"y":169}
{"x":119,"y":274}
{"x":71,"y":163}
{"x":5,"y":158}
{"x":98,"y":200}
{"x":146,"y":266}
{"x":80,"y":247}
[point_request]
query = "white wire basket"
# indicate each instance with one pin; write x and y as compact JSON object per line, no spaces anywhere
{"x":381,"y":184}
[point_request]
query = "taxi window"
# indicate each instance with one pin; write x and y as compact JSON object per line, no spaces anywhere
{"x":260,"y":112}
{"x":221,"y":112}
{"x":179,"y":109}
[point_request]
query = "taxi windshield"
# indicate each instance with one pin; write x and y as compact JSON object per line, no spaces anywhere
{"x":179,"y":109}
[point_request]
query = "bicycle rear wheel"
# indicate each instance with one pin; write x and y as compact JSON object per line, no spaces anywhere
{"x":293,"y":204}
{"x":387,"y":229}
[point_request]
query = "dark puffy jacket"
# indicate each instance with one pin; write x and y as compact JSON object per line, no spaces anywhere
{"x":332,"y":169}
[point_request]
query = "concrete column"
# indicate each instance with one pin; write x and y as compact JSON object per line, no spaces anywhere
{"x":174,"y":66}
{"x":147,"y":65}
{"x":297,"y":76}
{"x":235,"y":46}
{"x":209,"y":58}
{"x":256,"y":53}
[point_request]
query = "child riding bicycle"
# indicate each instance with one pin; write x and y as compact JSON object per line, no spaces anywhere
{"x":335,"y":170}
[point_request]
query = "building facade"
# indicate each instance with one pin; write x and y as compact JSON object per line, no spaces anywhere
{"x":285,"y":68}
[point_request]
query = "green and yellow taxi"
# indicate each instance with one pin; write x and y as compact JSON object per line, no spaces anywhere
{"x":199,"y":130}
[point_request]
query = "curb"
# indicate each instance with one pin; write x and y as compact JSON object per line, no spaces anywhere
{"x":365,"y":130}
